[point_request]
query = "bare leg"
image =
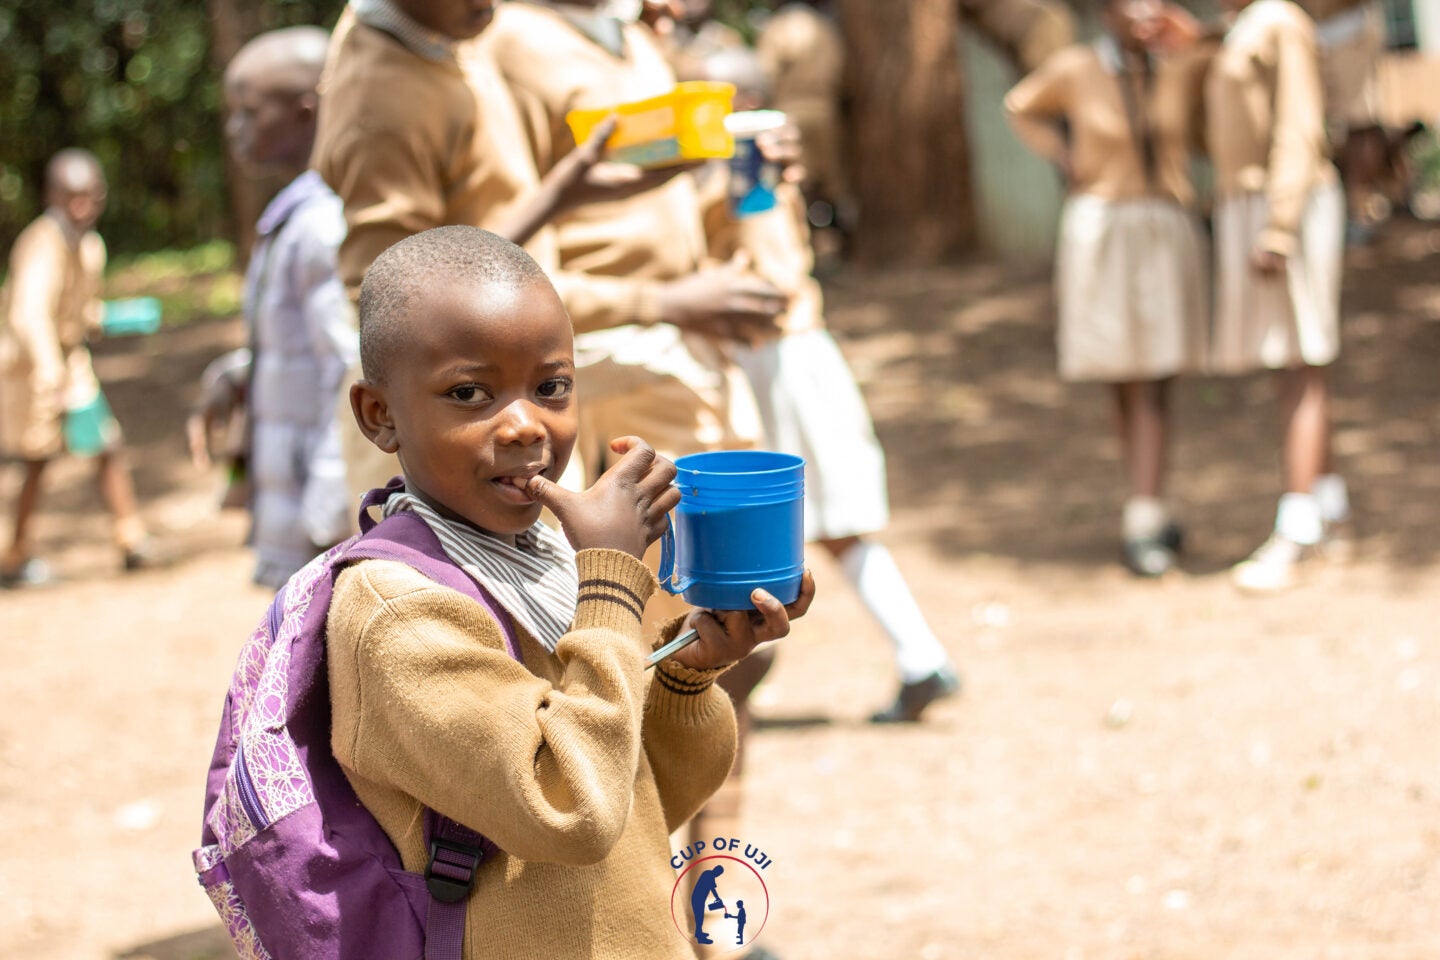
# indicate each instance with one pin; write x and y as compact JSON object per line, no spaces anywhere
{"x":117,"y":489}
{"x":25,"y":503}
{"x":1305,"y":411}
{"x":1142,"y":408}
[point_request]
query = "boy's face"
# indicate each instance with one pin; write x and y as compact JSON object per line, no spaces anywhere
{"x":482,"y":399}
{"x":267,"y":127}
{"x":84,"y":208}
{"x":457,"y":19}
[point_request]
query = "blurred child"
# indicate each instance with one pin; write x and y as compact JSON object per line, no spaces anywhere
{"x":1350,"y":40}
{"x":418,"y":130}
{"x":656,"y":319}
{"x":302,"y":333}
{"x":811,"y":406}
{"x":1130,"y":264}
{"x":50,"y":400}
{"x":1279,"y":242}
{"x":803,"y":56}
{"x":574,"y":761}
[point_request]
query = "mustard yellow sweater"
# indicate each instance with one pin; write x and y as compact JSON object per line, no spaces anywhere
{"x":578,"y":764}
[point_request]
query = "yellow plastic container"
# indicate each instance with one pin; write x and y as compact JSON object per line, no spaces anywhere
{"x":688,"y":123}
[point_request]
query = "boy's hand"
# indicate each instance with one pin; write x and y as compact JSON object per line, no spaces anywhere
{"x":731,"y":302}
{"x":625,"y":509}
{"x":729,"y":635}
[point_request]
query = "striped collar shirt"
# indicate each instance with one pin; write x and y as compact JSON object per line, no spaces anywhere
{"x":421,"y":40}
{"x":536,"y":580}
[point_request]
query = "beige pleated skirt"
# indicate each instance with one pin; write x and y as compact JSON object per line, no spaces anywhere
{"x":1130,"y":278}
{"x":1276,"y":322}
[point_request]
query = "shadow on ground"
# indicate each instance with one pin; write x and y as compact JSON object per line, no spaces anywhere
{"x":959,"y":369}
{"x":211,"y":943}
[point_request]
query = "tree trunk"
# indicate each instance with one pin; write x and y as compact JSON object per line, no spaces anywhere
{"x":910,"y":166}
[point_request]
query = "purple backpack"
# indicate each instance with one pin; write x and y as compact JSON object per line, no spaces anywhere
{"x":297,"y":867}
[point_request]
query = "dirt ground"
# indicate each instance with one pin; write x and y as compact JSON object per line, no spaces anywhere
{"x":1135,"y":770}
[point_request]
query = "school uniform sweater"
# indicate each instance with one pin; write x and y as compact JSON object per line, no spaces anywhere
{"x":1077,"y":86}
{"x":412,"y":142}
{"x":578,"y":764}
{"x":1265,"y":124}
{"x":679,"y":389}
{"x":634,"y":242}
{"x":49,"y":306}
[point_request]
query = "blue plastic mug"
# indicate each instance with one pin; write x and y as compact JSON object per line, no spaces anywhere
{"x":740,"y":525}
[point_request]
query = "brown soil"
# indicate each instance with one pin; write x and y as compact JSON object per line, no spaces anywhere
{"x":1135,"y":770}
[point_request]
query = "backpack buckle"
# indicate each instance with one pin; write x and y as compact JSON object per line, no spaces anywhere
{"x":450,"y":874}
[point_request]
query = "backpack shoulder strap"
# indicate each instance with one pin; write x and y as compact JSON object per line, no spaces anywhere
{"x":406,"y":538}
{"x":456,"y":851}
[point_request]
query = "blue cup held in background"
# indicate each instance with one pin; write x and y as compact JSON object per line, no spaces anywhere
{"x":752,"y":177}
{"x":740,"y":525}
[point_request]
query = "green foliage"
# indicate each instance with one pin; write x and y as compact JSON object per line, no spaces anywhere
{"x":191,"y":285}
{"x":134,"y":82}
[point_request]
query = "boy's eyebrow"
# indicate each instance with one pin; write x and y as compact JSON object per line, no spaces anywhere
{"x":485,"y":366}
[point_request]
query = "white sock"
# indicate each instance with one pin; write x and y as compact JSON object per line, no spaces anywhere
{"x":1144,"y":518}
{"x":1298,"y":518}
{"x":883,"y":590}
{"x":1334,"y":497}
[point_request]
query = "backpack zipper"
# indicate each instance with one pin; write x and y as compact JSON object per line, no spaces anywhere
{"x":249,"y":796}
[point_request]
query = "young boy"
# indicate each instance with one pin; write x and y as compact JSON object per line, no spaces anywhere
{"x":49,"y":308}
{"x":573,"y":764}
{"x":302,"y":334}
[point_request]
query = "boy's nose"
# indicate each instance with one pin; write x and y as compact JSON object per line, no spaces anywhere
{"x":520,"y":425}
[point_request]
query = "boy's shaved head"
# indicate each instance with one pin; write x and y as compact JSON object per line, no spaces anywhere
{"x":289,"y":60}
{"x":444,"y":256}
{"x":73,"y":171}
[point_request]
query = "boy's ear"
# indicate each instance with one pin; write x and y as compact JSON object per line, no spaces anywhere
{"x":372,"y":415}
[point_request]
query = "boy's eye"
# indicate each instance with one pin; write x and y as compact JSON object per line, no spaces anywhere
{"x":467,"y":393}
{"x":556,"y":389}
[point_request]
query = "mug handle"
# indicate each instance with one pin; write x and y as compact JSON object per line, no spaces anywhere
{"x":667,"y":562}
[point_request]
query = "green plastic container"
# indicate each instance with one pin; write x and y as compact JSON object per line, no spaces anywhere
{"x":137,"y":315}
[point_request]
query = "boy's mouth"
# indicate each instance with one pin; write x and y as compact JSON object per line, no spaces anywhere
{"x":512,"y":485}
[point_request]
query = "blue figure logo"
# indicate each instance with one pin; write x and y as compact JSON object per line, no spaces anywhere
{"x":739,"y":917}
{"x":697,"y":903}
{"x":703,"y":898}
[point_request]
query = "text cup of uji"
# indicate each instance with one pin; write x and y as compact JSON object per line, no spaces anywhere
{"x":752,"y":177}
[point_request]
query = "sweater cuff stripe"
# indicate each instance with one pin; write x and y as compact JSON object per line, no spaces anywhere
{"x":624,"y":604}
{"x":679,"y":688}
{"x":616,"y":586}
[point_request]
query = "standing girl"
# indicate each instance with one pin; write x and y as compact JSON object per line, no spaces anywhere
{"x":1130,"y":269}
{"x":1279,"y":240}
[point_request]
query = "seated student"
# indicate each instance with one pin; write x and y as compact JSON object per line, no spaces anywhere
{"x":50,"y":400}
{"x":575,"y":762}
{"x":301,"y":323}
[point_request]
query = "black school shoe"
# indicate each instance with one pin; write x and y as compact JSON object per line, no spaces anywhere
{"x":914,"y":697}
{"x":1154,"y":556}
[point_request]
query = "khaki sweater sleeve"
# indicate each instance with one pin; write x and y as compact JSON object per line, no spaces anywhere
{"x":1297,"y":144}
{"x":1036,"y":104}
{"x":690,"y":735}
{"x":393,"y":186}
{"x":443,"y":713}
{"x":37,"y":279}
